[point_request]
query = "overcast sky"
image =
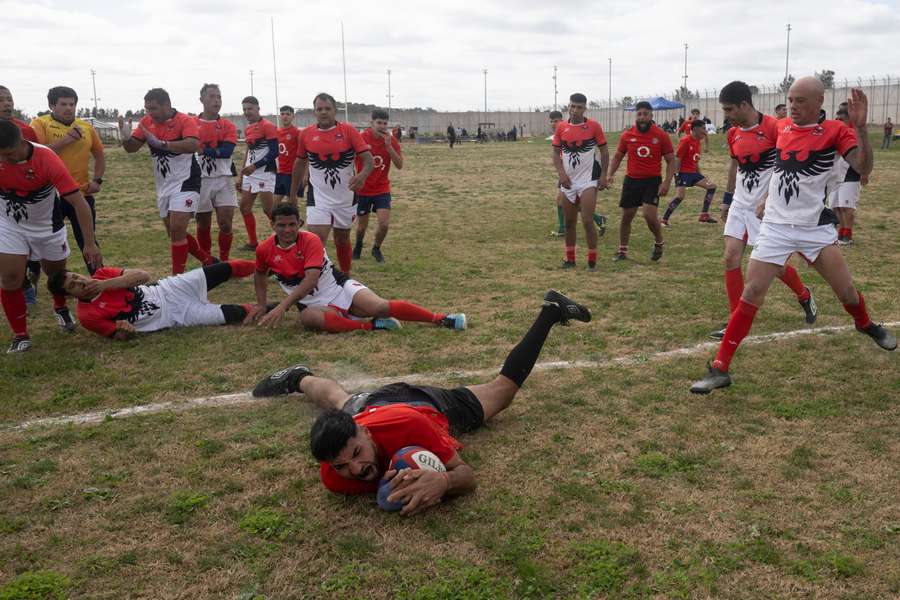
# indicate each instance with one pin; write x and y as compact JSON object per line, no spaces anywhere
{"x":436,"y":50}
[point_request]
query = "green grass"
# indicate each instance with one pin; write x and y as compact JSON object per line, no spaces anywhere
{"x":612,"y":482}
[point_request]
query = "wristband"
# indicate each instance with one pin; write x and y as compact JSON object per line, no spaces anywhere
{"x":727,"y":197}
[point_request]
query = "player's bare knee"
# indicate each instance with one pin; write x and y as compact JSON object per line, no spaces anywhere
{"x":381,"y":308}
{"x":312,"y":319}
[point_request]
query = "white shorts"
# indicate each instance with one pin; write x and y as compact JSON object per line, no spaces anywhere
{"x":742,"y":224}
{"x":177,"y":202}
{"x":261,"y":181}
{"x":776,"y":241}
{"x":341,"y":299}
{"x":844,"y":195}
{"x":47,"y":246}
{"x":186,"y":301}
{"x":216,"y":192}
{"x":339,"y":217}
{"x":574,"y":192}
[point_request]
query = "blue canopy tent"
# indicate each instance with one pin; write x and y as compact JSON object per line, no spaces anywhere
{"x":660,"y":103}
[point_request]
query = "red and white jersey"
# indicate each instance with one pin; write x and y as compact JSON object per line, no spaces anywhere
{"x":576,"y":143}
{"x":645,"y":151}
{"x":143,"y":306}
{"x":843,"y":172}
{"x":257,"y":136}
{"x":289,"y":265}
{"x":28,"y":133}
{"x":754,"y":150}
{"x":688,"y":153}
{"x":174,"y":172}
{"x":288,"y":138}
{"x":213,"y":133}
{"x":805,"y":157}
{"x":378,"y":181}
{"x":29,"y":190}
{"x":331,"y":153}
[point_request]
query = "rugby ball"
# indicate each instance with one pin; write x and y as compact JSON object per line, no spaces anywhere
{"x":410,"y":457}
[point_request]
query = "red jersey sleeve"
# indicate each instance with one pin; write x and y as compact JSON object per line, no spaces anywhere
{"x":599,"y":136}
{"x":107,"y":273}
{"x":622,"y":147}
{"x":313,"y":251}
{"x":230,"y":131}
{"x":188,"y":126}
{"x":93,"y":320}
{"x":301,"y":146}
{"x":555,"y":141}
{"x":356,"y":140}
{"x":666,"y":144}
{"x":731,"y":135}
{"x":262,"y":258}
{"x":846,"y":140}
{"x":683,"y":148}
{"x":138,"y":132}
{"x":270,"y":132}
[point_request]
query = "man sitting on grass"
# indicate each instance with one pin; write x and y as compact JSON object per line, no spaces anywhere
{"x":117,"y":303}
{"x":356,"y":436}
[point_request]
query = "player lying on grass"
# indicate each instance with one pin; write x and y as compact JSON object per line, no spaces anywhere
{"x":328,"y":300}
{"x":117,"y":303}
{"x":356,"y":436}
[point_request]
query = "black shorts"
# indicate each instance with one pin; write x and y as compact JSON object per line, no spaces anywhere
{"x":459,"y":405}
{"x":636,"y":192}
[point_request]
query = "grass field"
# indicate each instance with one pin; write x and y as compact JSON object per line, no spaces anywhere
{"x":607,"y":482}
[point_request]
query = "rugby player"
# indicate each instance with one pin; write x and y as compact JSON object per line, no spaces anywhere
{"x":843,"y":195}
{"x":687,"y":173}
{"x":288,"y":138}
{"x":326,"y":158}
{"x":32,"y":181}
{"x":76,"y":142}
{"x":218,"y":138}
{"x":7,"y":112}
{"x":173,"y":139}
{"x":751,"y":143}
{"x":375,"y":194}
{"x":796,"y":220}
{"x":687,"y":127}
{"x":357,"y":434}
{"x":118,"y":303}
{"x":646,"y":145}
{"x":258,"y":175}
{"x":575,"y":144}
{"x":781,"y":112}
{"x":328,"y":300}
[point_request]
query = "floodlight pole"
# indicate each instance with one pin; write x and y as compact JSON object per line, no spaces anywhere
{"x":685,"y":77}
{"x":344,"y":61}
{"x":94,"y":84}
{"x":275,"y":66}
{"x":610,"y":93}
{"x":485,"y":92}
{"x":555,"y":90}
{"x":389,"y":95}
{"x":787,"y":52}
{"x":251,"y":83}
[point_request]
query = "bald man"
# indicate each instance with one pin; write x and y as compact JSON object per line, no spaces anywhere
{"x":795,"y":218}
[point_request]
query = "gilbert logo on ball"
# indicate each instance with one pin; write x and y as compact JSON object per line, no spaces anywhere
{"x":410,"y":457}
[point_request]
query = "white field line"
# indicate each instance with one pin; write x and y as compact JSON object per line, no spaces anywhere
{"x":360,"y":383}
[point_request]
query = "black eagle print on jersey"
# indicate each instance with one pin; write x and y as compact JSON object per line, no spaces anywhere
{"x":332,"y":166}
{"x":752,"y":169}
{"x":17,"y":206}
{"x":574,"y":150}
{"x":791,"y":168}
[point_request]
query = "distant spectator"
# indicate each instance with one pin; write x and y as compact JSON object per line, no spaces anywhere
{"x":451,"y":135}
{"x":888,"y":134}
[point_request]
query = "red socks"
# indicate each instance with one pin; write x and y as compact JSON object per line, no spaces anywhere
{"x":738,"y":327}
{"x":242,"y":268}
{"x":407,"y":311}
{"x":196,"y":251}
{"x":225,"y":240}
{"x":179,"y":256}
{"x":858,"y":312}
{"x":335,"y":323}
{"x":791,"y":278}
{"x":734,"y":286}
{"x":344,"y":256}
{"x":204,"y":239}
{"x":16,"y":312}
{"x":58,"y":301}
{"x":250,"y":224}
{"x":570,"y":253}
{"x":846,"y":233}
{"x":592,"y":256}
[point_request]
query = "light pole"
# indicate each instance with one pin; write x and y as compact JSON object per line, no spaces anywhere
{"x":787,"y":52}
{"x":389,"y":95}
{"x":344,"y":62}
{"x":555,"y":90}
{"x":610,"y":93}
{"x":485,"y":92}
{"x":94,"y":84}
{"x":251,"y":83}
{"x":274,"y":65}
{"x":685,"y":77}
